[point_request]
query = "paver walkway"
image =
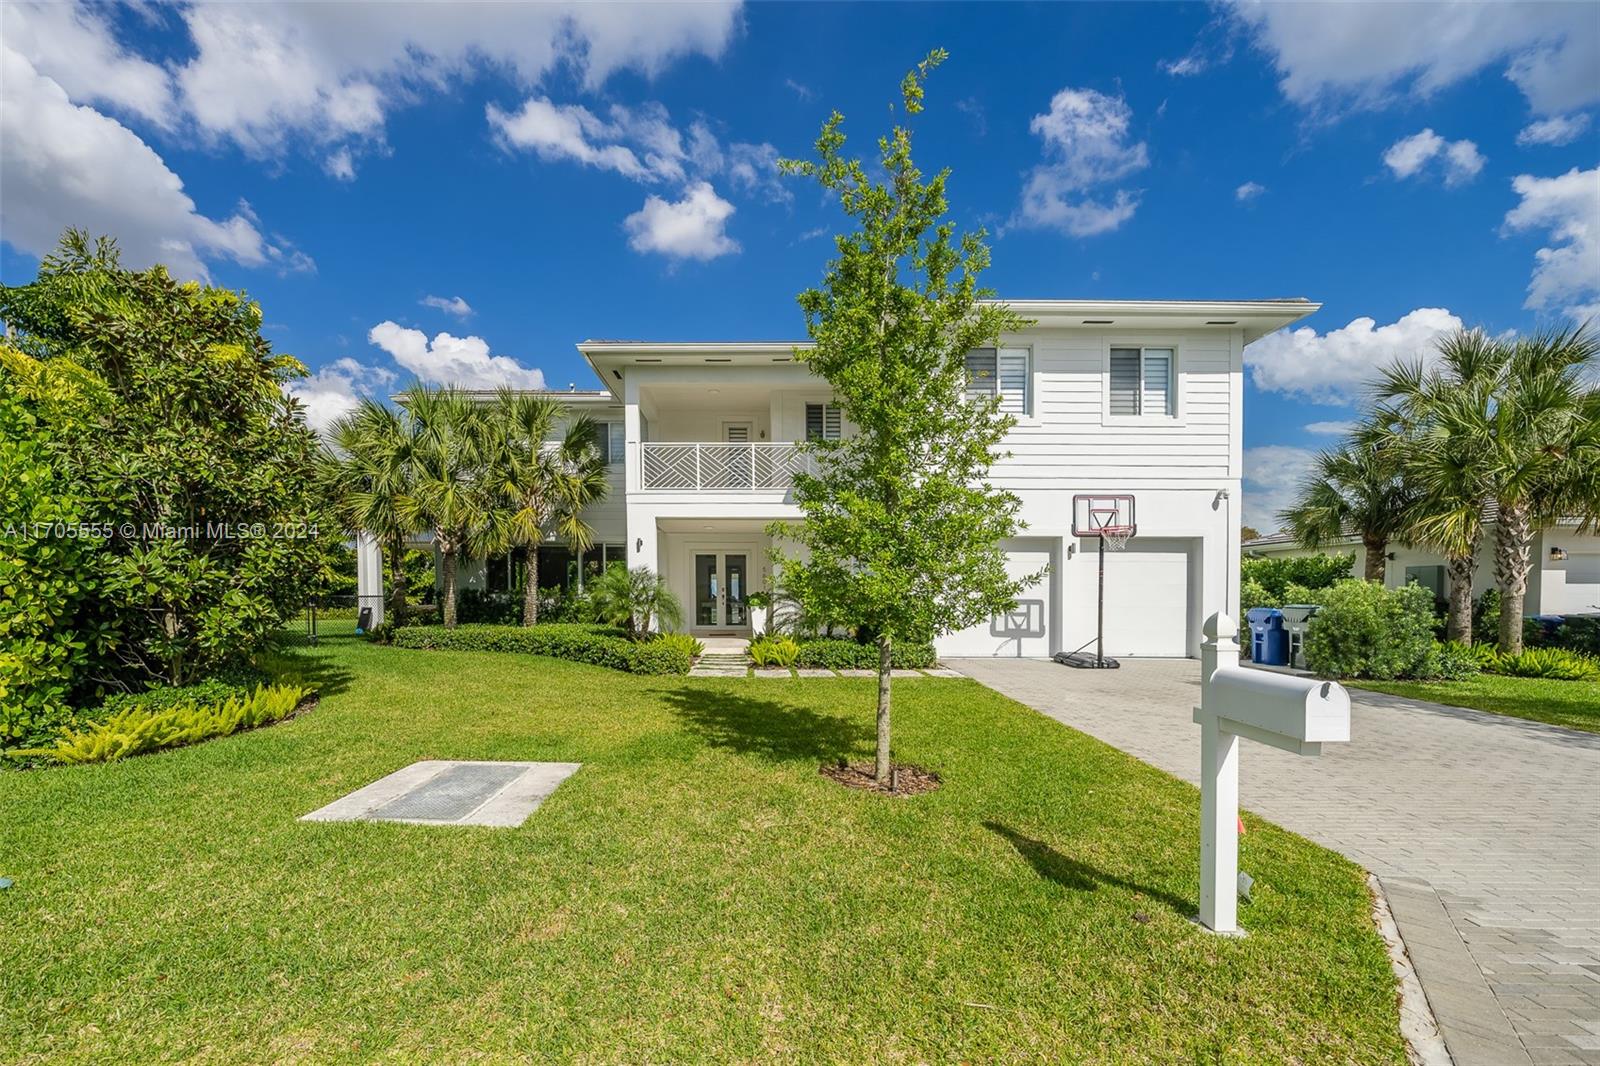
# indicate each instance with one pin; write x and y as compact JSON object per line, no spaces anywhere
{"x":1484,"y":829}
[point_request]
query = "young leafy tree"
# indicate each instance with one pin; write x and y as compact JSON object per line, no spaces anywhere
{"x":546,"y":481}
{"x":902,"y":527}
{"x":452,"y":490}
{"x":1358,"y":488}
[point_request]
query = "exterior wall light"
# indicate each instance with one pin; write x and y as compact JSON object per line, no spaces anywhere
{"x":1558,"y":555}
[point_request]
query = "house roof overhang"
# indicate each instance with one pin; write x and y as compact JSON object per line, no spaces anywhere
{"x":1255,"y":318}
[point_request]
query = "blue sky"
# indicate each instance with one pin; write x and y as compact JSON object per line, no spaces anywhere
{"x":518,"y":178}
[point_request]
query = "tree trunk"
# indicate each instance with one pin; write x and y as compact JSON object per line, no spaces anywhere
{"x":1377,"y":558}
{"x":1513,"y":543}
{"x":881,"y":770}
{"x":530,"y":584}
{"x":449,"y":588}
{"x":397,"y":593}
{"x":1458,"y":626}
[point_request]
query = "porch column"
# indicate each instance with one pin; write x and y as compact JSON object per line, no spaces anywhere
{"x":369,"y":577}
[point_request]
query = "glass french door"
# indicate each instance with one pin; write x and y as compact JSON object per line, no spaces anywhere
{"x":721,"y":583}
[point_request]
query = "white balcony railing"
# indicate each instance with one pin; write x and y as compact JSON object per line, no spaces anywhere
{"x":666,"y":465}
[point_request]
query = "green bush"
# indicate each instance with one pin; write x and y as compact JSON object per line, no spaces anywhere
{"x":1454,"y":661}
{"x":1253,"y":594}
{"x":1486,"y":617}
{"x":593,"y":644}
{"x":1580,"y":633}
{"x":682,"y":641}
{"x":137,"y":729}
{"x":493,"y":608}
{"x":213,"y":690}
{"x":774,"y":651}
{"x":829,"y":654}
{"x":1277,"y":573}
{"x":1554,"y":664}
{"x":1366,"y":630}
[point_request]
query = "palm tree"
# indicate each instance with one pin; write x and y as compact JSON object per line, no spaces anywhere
{"x":368,"y":471}
{"x":1512,"y":423}
{"x":1442,"y":468}
{"x":546,"y":483}
{"x":1356,"y":487}
{"x":452,"y":489}
{"x":630,"y":598}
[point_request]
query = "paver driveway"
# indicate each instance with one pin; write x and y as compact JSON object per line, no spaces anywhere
{"x":1490,"y":823}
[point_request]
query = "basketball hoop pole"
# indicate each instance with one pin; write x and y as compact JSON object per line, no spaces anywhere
{"x":1100,"y":609}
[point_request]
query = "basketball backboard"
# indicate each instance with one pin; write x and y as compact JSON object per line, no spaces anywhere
{"x":1093,"y":514}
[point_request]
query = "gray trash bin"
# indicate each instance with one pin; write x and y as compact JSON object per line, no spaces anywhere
{"x":1297,"y":620}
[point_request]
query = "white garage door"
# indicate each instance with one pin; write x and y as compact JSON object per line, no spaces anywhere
{"x":1147,"y":597}
{"x":1022,"y":632}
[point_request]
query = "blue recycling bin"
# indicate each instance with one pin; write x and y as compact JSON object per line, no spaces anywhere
{"x":1269,"y":641}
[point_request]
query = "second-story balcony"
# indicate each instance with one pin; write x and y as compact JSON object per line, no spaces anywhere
{"x":711,"y":467}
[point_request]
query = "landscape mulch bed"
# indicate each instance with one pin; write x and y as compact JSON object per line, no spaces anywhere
{"x":905,"y":779}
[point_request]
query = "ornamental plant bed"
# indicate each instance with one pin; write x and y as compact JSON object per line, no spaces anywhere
{"x":905,"y":779}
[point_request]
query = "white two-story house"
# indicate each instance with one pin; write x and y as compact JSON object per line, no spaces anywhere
{"x":1136,"y":397}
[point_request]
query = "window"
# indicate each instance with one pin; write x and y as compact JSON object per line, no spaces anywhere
{"x":497,"y":573}
{"x":1003,"y":372}
{"x":822,"y":421}
{"x":1141,"y":382}
{"x":609,"y":440}
{"x":1430,"y":578}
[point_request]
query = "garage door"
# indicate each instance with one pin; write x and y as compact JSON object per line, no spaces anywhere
{"x":1022,"y":632}
{"x":1147,"y":597}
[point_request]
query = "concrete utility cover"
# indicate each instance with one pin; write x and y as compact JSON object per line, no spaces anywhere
{"x":444,"y":792}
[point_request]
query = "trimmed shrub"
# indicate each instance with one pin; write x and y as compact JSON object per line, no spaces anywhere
{"x":137,"y":729}
{"x":1554,"y":664}
{"x":853,"y":655}
{"x":1366,"y":630}
{"x":593,"y":644}
{"x":774,"y":651}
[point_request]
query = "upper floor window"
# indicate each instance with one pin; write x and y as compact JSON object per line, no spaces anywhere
{"x":1002,"y":372}
{"x":822,"y":422}
{"x":1142,"y":382}
{"x":609,"y":441}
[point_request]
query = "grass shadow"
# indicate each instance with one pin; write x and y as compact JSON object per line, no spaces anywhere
{"x":1078,"y":876}
{"x":778,"y":731}
{"x":323,"y":672}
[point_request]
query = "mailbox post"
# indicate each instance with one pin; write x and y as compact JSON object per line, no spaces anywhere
{"x":1293,"y":713}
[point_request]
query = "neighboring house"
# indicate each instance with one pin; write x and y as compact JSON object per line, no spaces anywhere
{"x":1564,"y":578}
{"x":1140,"y":397}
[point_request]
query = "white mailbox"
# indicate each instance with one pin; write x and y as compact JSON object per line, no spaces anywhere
{"x":1293,"y":713}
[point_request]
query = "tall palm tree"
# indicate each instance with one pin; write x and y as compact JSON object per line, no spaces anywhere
{"x":547,"y":480}
{"x":452,"y":489}
{"x":1353,"y":488}
{"x":1518,"y":423}
{"x":1443,"y":468}
{"x":368,"y":471}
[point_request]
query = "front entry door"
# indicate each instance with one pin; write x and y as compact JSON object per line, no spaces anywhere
{"x":721,"y":583}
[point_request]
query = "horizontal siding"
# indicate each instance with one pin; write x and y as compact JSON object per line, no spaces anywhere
{"x":1067,"y":436}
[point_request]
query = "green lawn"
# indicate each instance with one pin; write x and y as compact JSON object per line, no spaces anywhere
{"x":1574,"y":704}
{"x":696,"y":892}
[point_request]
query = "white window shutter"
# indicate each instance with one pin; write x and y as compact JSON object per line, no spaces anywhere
{"x":1124,"y":381}
{"x":617,"y":441}
{"x":981,"y":373}
{"x":1157,"y":382}
{"x":1013,"y":369}
{"x":830,"y":422}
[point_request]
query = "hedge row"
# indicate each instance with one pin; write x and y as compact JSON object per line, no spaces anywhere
{"x":851,"y":655}
{"x":592,"y":644}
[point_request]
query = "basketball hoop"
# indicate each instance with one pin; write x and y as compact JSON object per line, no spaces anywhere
{"x":1115,"y":538}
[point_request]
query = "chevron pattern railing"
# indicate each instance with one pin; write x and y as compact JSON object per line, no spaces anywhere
{"x":719,"y":467}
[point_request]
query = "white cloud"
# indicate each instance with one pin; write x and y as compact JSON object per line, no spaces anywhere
{"x":1272,"y":477}
{"x":641,"y":144}
{"x":1460,"y":161}
{"x":1554,"y":131}
{"x":1334,"y":367}
{"x":336,"y":389}
{"x":447,"y":360}
{"x":1567,"y":271}
{"x":1087,"y":147}
{"x":340,"y":165}
{"x":67,"y":165}
{"x":802,"y":91}
{"x":1248,"y":191}
{"x":450,"y":305}
{"x":1330,"y":429}
{"x":1331,"y":55}
{"x":75,"y":47}
{"x":1188,"y":66}
{"x":266,"y":76}
{"x":691,"y":228}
